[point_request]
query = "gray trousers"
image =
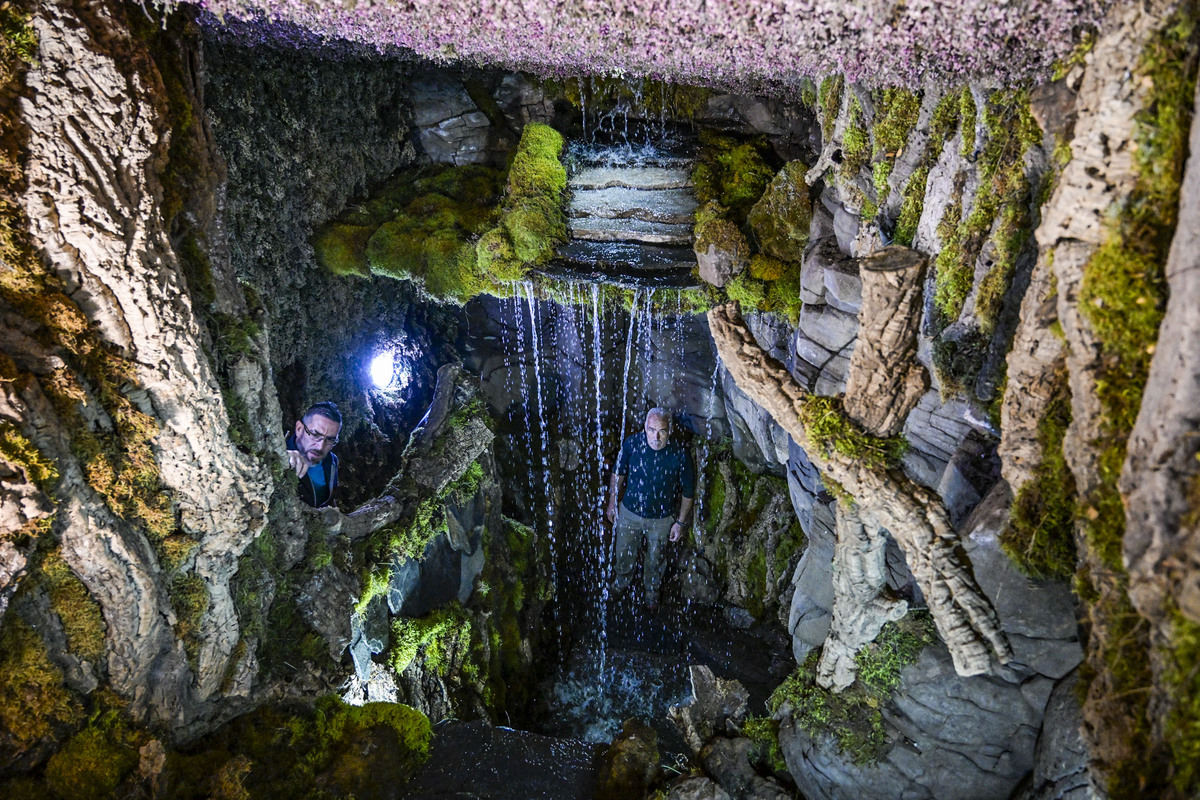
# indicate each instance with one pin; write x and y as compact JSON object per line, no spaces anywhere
{"x":628,"y":533}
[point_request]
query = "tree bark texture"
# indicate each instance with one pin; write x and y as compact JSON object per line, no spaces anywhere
{"x":1099,"y":178}
{"x":915,"y":516}
{"x":860,"y":606}
{"x":1161,"y":475}
{"x":96,"y":119}
{"x":885,"y":380}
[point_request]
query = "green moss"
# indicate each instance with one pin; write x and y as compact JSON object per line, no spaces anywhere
{"x":92,"y":763}
{"x":1041,"y":529}
{"x":911,"y":206}
{"x":1181,"y":680}
{"x":1001,"y":210}
{"x":533,"y":227}
{"x":34,"y":704}
{"x":783,"y":293}
{"x":896,"y":115}
{"x":829,"y":430}
{"x":1076,"y":57}
{"x":956,"y":362}
{"x":781,"y":217}
{"x":75,"y":607}
{"x":731,"y":172}
{"x":22,"y":453}
{"x":764,"y":732}
{"x":438,"y":635}
{"x":830,"y":98}
{"x":189,"y":599}
{"x":856,"y":141}
{"x":852,"y":717}
{"x":967,"y":115}
{"x":752,"y":294}
{"x":342,"y":248}
{"x":536,"y":171}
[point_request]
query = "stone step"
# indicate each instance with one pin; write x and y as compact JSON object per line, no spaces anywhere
{"x":631,"y":178}
{"x":627,"y":255}
{"x":594,"y":229}
{"x":675,"y":206}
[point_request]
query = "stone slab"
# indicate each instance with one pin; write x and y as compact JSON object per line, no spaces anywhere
{"x":631,"y":177}
{"x":630,"y":230}
{"x":674,"y":206}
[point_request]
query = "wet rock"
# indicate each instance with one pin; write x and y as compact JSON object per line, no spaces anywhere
{"x":451,"y":127}
{"x":1060,"y":764}
{"x":474,"y":759}
{"x":630,"y":765}
{"x":728,"y":762}
{"x":596,"y":229}
{"x":934,"y":431}
{"x":631,"y":178}
{"x":780,"y":219}
{"x":828,"y":327}
{"x":697,"y":580}
{"x":697,"y":787}
{"x":843,"y":287}
{"x":368,"y":636}
{"x":715,"y":703}
{"x":675,"y":206}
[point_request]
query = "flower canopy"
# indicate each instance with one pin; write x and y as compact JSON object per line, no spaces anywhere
{"x":761,"y":45}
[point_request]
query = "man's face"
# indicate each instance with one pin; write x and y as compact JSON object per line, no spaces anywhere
{"x":658,"y":431}
{"x":315,"y":437}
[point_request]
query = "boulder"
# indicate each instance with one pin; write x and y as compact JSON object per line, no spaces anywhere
{"x":780,"y":219}
{"x":630,"y":765}
{"x":697,"y":787}
{"x":728,"y":762}
{"x":716,"y":703}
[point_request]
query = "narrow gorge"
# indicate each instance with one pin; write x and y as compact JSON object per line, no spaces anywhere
{"x":913,"y":287}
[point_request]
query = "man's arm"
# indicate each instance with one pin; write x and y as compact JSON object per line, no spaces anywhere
{"x":614,"y":495}
{"x":681,"y":522}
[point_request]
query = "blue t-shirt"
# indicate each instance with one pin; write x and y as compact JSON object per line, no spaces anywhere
{"x":316,"y":475}
{"x":654,"y":479}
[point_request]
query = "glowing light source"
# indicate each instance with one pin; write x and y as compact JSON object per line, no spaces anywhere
{"x":383,"y":369}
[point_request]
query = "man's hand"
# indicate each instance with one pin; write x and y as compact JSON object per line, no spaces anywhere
{"x":297,"y":462}
{"x":676,"y":531}
{"x":611,"y":512}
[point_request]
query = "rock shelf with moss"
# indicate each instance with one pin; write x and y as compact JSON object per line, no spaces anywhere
{"x":457,"y":231}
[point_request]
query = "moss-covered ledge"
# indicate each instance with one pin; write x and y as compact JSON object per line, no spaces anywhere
{"x":457,"y":232}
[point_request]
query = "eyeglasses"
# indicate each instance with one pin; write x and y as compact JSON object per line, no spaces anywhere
{"x":321,"y":438}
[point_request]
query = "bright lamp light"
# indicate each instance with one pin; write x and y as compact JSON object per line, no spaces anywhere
{"x":383,"y":369}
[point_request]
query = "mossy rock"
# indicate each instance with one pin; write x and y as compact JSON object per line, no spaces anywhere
{"x":470,"y":183}
{"x":34,"y":704}
{"x":342,"y":248}
{"x":720,"y":247}
{"x":536,"y":170}
{"x":738,"y":172}
{"x":780,"y":219}
{"x":534,"y":226}
{"x":497,"y":257}
{"x":396,"y":249}
{"x":89,"y":766}
{"x":451,"y":268}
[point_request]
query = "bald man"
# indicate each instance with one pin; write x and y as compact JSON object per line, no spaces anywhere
{"x":660,"y":484}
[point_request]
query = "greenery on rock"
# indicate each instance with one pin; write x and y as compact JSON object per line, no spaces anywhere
{"x":1040,"y":537}
{"x":457,"y":231}
{"x":34,"y":704}
{"x":829,"y":430}
{"x":1122,"y":298}
{"x":852,"y":717}
{"x":436,"y":636}
{"x":80,"y":614}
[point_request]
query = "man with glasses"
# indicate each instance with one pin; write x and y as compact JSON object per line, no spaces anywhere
{"x":309,"y":452}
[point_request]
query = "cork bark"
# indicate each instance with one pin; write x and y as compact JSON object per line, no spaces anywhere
{"x":915,"y":516}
